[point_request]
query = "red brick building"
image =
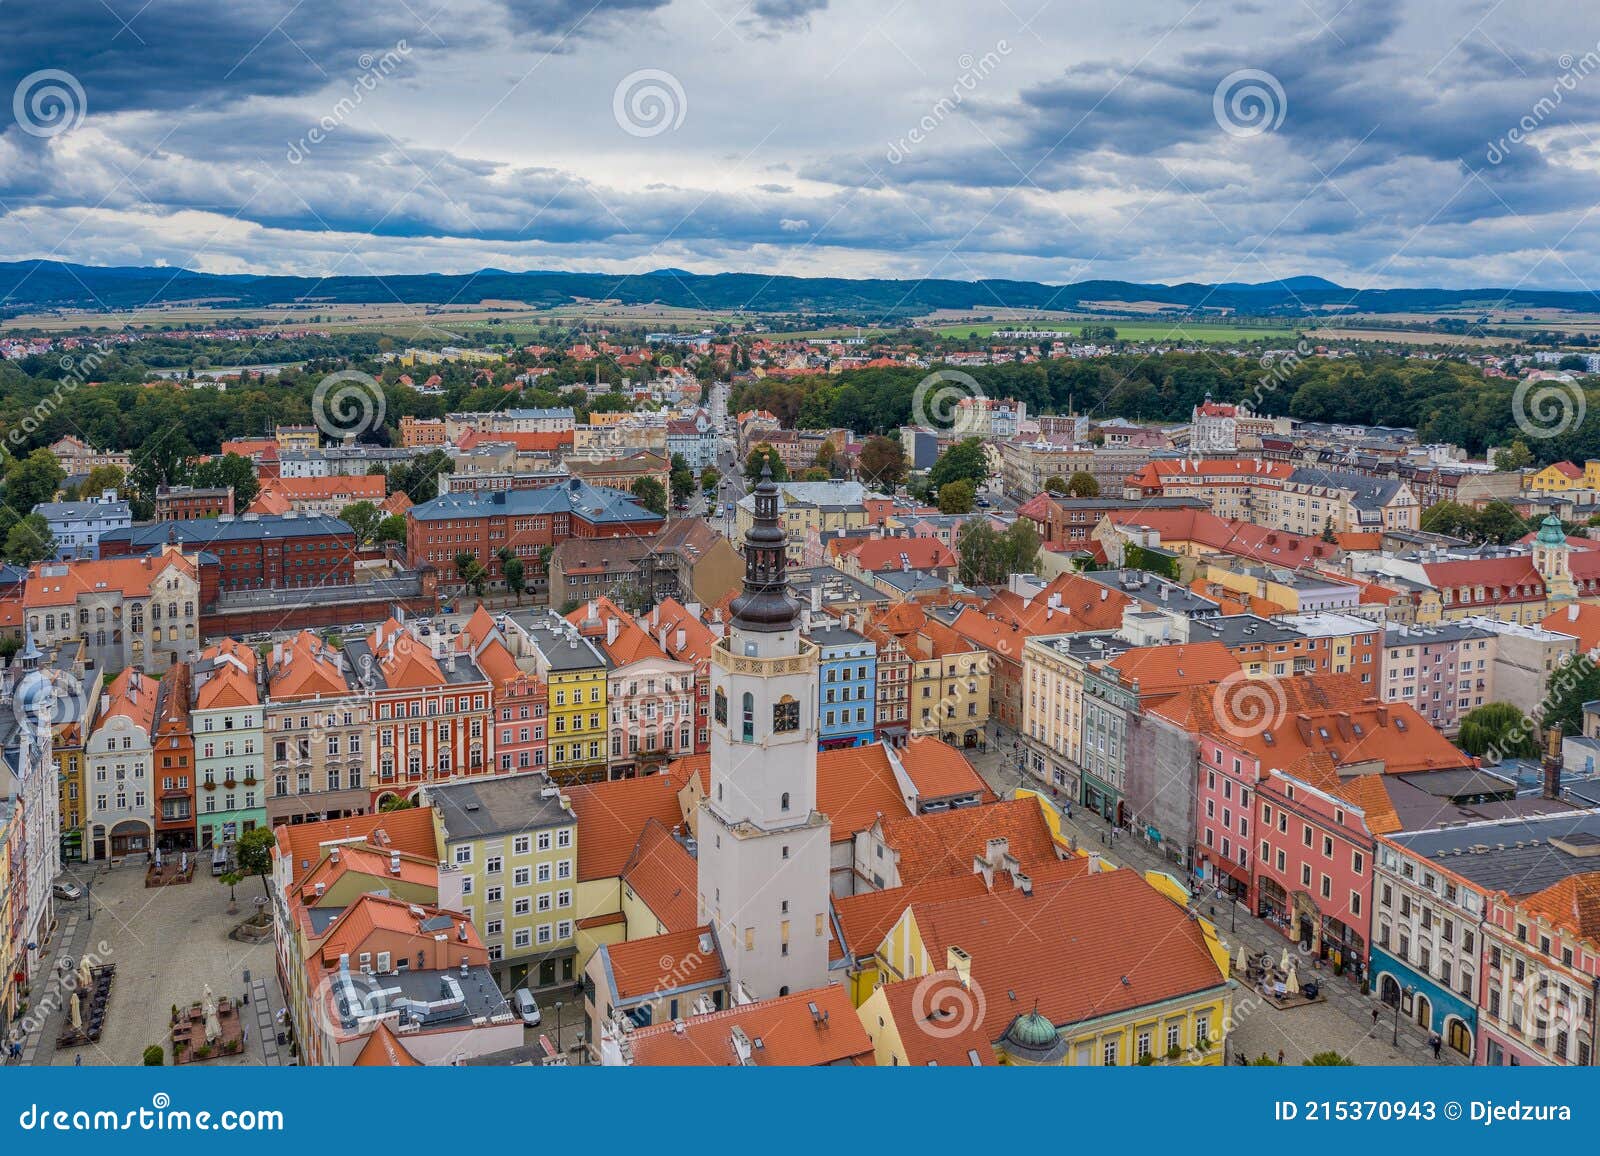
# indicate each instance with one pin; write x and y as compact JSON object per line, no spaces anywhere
{"x":483,"y":524}
{"x":252,"y":552}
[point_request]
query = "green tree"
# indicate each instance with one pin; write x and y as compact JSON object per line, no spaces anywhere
{"x":682,"y":482}
{"x":956,"y":497}
{"x":396,"y":803}
{"x":1327,"y":1060}
{"x":979,"y":553}
{"x":32,"y":480}
{"x":101,"y":479}
{"x":229,"y":470}
{"x":764,"y":454}
{"x":709,"y":477}
{"x":1055,"y":484}
{"x":964,"y":461}
{"x":650,"y":494}
{"x":472,"y":572}
{"x":154,"y":1056}
{"x":1020,"y":548}
{"x":1082,"y":485}
{"x":814,"y":474}
{"x":252,"y":854}
{"x":364,"y":518}
{"x":29,"y":541}
{"x":882,"y":463}
{"x":392,"y":529}
{"x":1514,"y":458}
{"x":1500,"y":727}
{"x":515,"y":573}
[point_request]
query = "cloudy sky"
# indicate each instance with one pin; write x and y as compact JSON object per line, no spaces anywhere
{"x":1373,"y":142}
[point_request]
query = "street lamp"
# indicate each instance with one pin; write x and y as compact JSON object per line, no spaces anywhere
{"x":558,"y":1027}
{"x":1399,"y":999}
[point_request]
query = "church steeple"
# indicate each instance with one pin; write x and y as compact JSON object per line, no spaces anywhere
{"x":766,"y":606}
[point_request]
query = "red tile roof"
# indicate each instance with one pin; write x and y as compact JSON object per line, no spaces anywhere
{"x":409,"y":831}
{"x":670,"y":962}
{"x":789,"y":1035}
{"x":612,"y":815}
{"x":663,"y":875}
{"x":939,"y":770}
{"x":1080,"y":947}
{"x":946,"y":843}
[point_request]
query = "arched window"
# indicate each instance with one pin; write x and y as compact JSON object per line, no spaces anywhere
{"x":749,"y":717}
{"x":783,"y":803}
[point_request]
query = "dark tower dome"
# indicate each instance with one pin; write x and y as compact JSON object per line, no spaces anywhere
{"x":766,"y":606}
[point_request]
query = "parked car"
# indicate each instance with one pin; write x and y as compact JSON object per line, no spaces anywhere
{"x":527,"y":1010}
{"x":67,"y":890}
{"x":219,"y":861}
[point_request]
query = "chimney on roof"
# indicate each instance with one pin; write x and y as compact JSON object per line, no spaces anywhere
{"x":960,"y":962}
{"x":1552,"y":763}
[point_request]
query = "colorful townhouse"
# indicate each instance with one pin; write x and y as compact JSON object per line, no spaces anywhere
{"x":847,"y":686}
{"x":226,"y":712}
{"x":509,"y":846}
{"x":575,"y":674}
{"x":172,"y":763}
{"x":117,"y":761}
{"x":682,"y":635}
{"x":520,"y":699}
{"x":650,"y":698}
{"x":317,"y":727}
{"x":1295,"y":778}
{"x":1445,"y":671}
{"x":431,"y":710}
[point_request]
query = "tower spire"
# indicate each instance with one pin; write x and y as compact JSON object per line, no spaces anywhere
{"x":766,"y":606}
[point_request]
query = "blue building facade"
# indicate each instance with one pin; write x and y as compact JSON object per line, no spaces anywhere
{"x":847,"y":688}
{"x":1424,"y":1001}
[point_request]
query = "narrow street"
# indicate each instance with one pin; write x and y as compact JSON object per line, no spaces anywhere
{"x":1344,"y":1023}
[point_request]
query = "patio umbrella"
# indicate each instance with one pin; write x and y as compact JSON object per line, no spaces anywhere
{"x":1292,"y":984}
{"x":85,"y":976}
{"x":208,"y":1002}
{"x":1243,"y":962}
{"x":213,"y":1026}
{"x":1283,"y":964}
{"x":75,"y":1011}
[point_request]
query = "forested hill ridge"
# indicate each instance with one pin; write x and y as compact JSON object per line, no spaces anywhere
{"x":1443,"y":400}
{"x":31,"y":285}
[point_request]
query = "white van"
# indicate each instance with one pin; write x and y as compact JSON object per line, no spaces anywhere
{"x":522,"y":1002}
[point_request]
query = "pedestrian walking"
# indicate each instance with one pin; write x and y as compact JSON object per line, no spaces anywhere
{"x":1280,"y":1057}
{"x":77,"y":1060}
{"x":1374,"y":1017}
{"x":1436,"y":1043}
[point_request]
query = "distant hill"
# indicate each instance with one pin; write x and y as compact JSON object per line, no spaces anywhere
{"x":32,"y":285}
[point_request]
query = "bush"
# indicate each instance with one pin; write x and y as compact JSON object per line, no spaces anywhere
{"x":1147,"y":1059}
{"x":154,"y":1057}
{"x":1174,"y":1052}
